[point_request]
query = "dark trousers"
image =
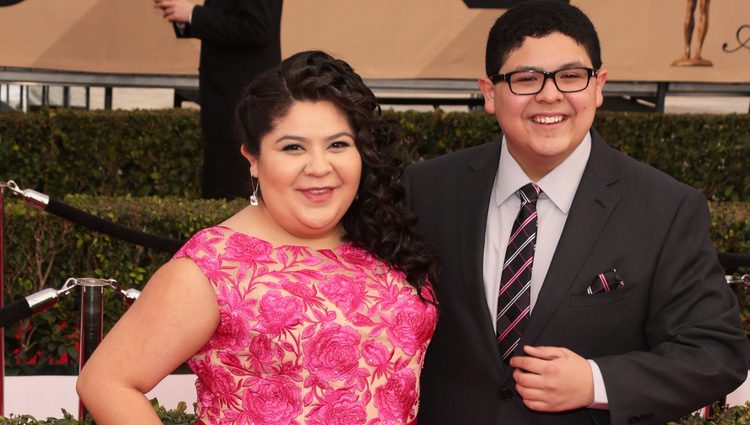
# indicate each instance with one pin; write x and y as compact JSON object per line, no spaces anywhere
{"x":225,"y":171}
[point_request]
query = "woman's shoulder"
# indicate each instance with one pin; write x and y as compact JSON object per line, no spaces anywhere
{"x":222,"y":253}
{"x":219,"y":239}
{"x":204,"y":241}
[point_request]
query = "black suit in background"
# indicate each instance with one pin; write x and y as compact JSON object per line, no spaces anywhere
{"x":239,"y":40}
{"x":669,"y":341}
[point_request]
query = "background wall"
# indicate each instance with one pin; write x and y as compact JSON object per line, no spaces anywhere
{"x":383,"y":39}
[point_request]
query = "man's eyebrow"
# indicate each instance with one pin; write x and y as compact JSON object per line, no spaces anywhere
{"x":574,"y":64}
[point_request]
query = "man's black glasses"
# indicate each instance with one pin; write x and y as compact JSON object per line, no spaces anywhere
{"x":528,"y":82}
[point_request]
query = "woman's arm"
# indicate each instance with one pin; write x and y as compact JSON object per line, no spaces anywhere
{"x":173,"y":318}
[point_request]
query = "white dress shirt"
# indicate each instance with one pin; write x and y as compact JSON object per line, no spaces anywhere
{"x":558,"y":190}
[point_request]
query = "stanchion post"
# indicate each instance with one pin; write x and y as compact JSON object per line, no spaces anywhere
{"x":92,"y":323}
{"x":2,"y":301}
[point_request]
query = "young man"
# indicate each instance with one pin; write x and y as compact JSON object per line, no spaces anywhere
{"x":579,"y":285}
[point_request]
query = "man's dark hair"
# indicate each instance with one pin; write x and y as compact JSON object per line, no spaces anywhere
{"x":539,"y":18}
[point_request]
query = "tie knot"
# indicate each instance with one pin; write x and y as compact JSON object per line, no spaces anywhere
{"x":529,"y":193}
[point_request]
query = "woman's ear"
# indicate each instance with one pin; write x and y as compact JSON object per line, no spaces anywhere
{"x":251,"y":159}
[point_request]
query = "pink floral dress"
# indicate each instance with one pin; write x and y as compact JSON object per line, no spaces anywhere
{"x":321,"y":337}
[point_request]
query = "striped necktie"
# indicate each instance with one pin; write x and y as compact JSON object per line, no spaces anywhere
{"x":513,"y":301}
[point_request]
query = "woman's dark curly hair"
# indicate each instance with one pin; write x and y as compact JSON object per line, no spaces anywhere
{"x":378,"y":219}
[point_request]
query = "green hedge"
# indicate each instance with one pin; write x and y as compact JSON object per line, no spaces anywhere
{"x":177,"y":416}
{"x":158,"y":153}
{"x":43,"y":251}
{"x":102,"y":153}
{"x":735,"y":415}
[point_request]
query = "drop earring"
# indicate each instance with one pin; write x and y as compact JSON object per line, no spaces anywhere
{"x":254,"y":197}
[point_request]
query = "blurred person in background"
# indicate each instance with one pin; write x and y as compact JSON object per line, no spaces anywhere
{"x":239,"y":40}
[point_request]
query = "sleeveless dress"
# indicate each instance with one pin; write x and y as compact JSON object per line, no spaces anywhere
{"x":321,"y":337}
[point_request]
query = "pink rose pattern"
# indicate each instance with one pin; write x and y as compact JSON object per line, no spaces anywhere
{"x":396,"y":399}
{"x":307,"y":337}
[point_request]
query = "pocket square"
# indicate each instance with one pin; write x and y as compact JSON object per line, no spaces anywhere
{"x":605,"y":282}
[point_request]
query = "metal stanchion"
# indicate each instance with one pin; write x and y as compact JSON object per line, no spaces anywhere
{"x":92,"y":293}
{"x":738,"y":279}
{"x":92,"y":322}
{"x":92,"y":312}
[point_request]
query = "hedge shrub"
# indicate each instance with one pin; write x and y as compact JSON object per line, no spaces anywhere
{"x":735,"y":415}
{"x":43,"y":251}
{"x":176,"y":416}
{"x":158,"y":153}
{"x":143,"y":166}
{"x":102,"y":153}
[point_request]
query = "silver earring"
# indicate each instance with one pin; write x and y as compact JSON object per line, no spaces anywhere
{"x":254,"y":197}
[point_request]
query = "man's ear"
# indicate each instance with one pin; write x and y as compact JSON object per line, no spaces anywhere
{"x":488,"y":91}
{"x":601,"y":78}
{"x":251,"y":159}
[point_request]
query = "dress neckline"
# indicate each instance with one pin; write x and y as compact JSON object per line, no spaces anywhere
{"x":337,"y":248}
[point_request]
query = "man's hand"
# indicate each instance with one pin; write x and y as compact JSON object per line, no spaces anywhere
{"x":553,"y":379}
{"x":175,"y":10}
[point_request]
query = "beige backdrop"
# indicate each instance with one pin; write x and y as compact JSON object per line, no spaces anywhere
{"x":111,"y":36}
{"x":381,"y":39}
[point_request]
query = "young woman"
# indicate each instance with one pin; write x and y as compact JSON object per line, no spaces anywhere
{"x":311,"y":305}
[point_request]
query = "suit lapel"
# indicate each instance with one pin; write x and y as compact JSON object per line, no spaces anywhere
{"x":474,"y":191}
{"x":592,"y":206}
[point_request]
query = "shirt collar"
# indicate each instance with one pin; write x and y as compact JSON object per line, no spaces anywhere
{"x":559,"y":185}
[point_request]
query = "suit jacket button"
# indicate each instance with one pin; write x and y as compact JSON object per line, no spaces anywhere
{"x":506,"y":394}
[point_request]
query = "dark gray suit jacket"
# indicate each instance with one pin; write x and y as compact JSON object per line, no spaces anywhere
{"x":667,"y":343}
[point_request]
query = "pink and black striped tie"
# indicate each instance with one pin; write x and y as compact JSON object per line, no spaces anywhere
{"x":514,"y":299}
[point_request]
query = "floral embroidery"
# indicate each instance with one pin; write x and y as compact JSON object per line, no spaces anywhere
{"x":332,"y":354}
{"x":215,"y":386}
{"x":357,"y":257}
{"x":411,"y":324}
{"x":279,"y":313}
{"x":347,"y":293}
{"x":376,"y":355}
{"x":232,"y":331}
{"x":272,"y":400}
{"x":396,"y":399}
{"x":307,"y":337}
{"x":339,"y":407}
